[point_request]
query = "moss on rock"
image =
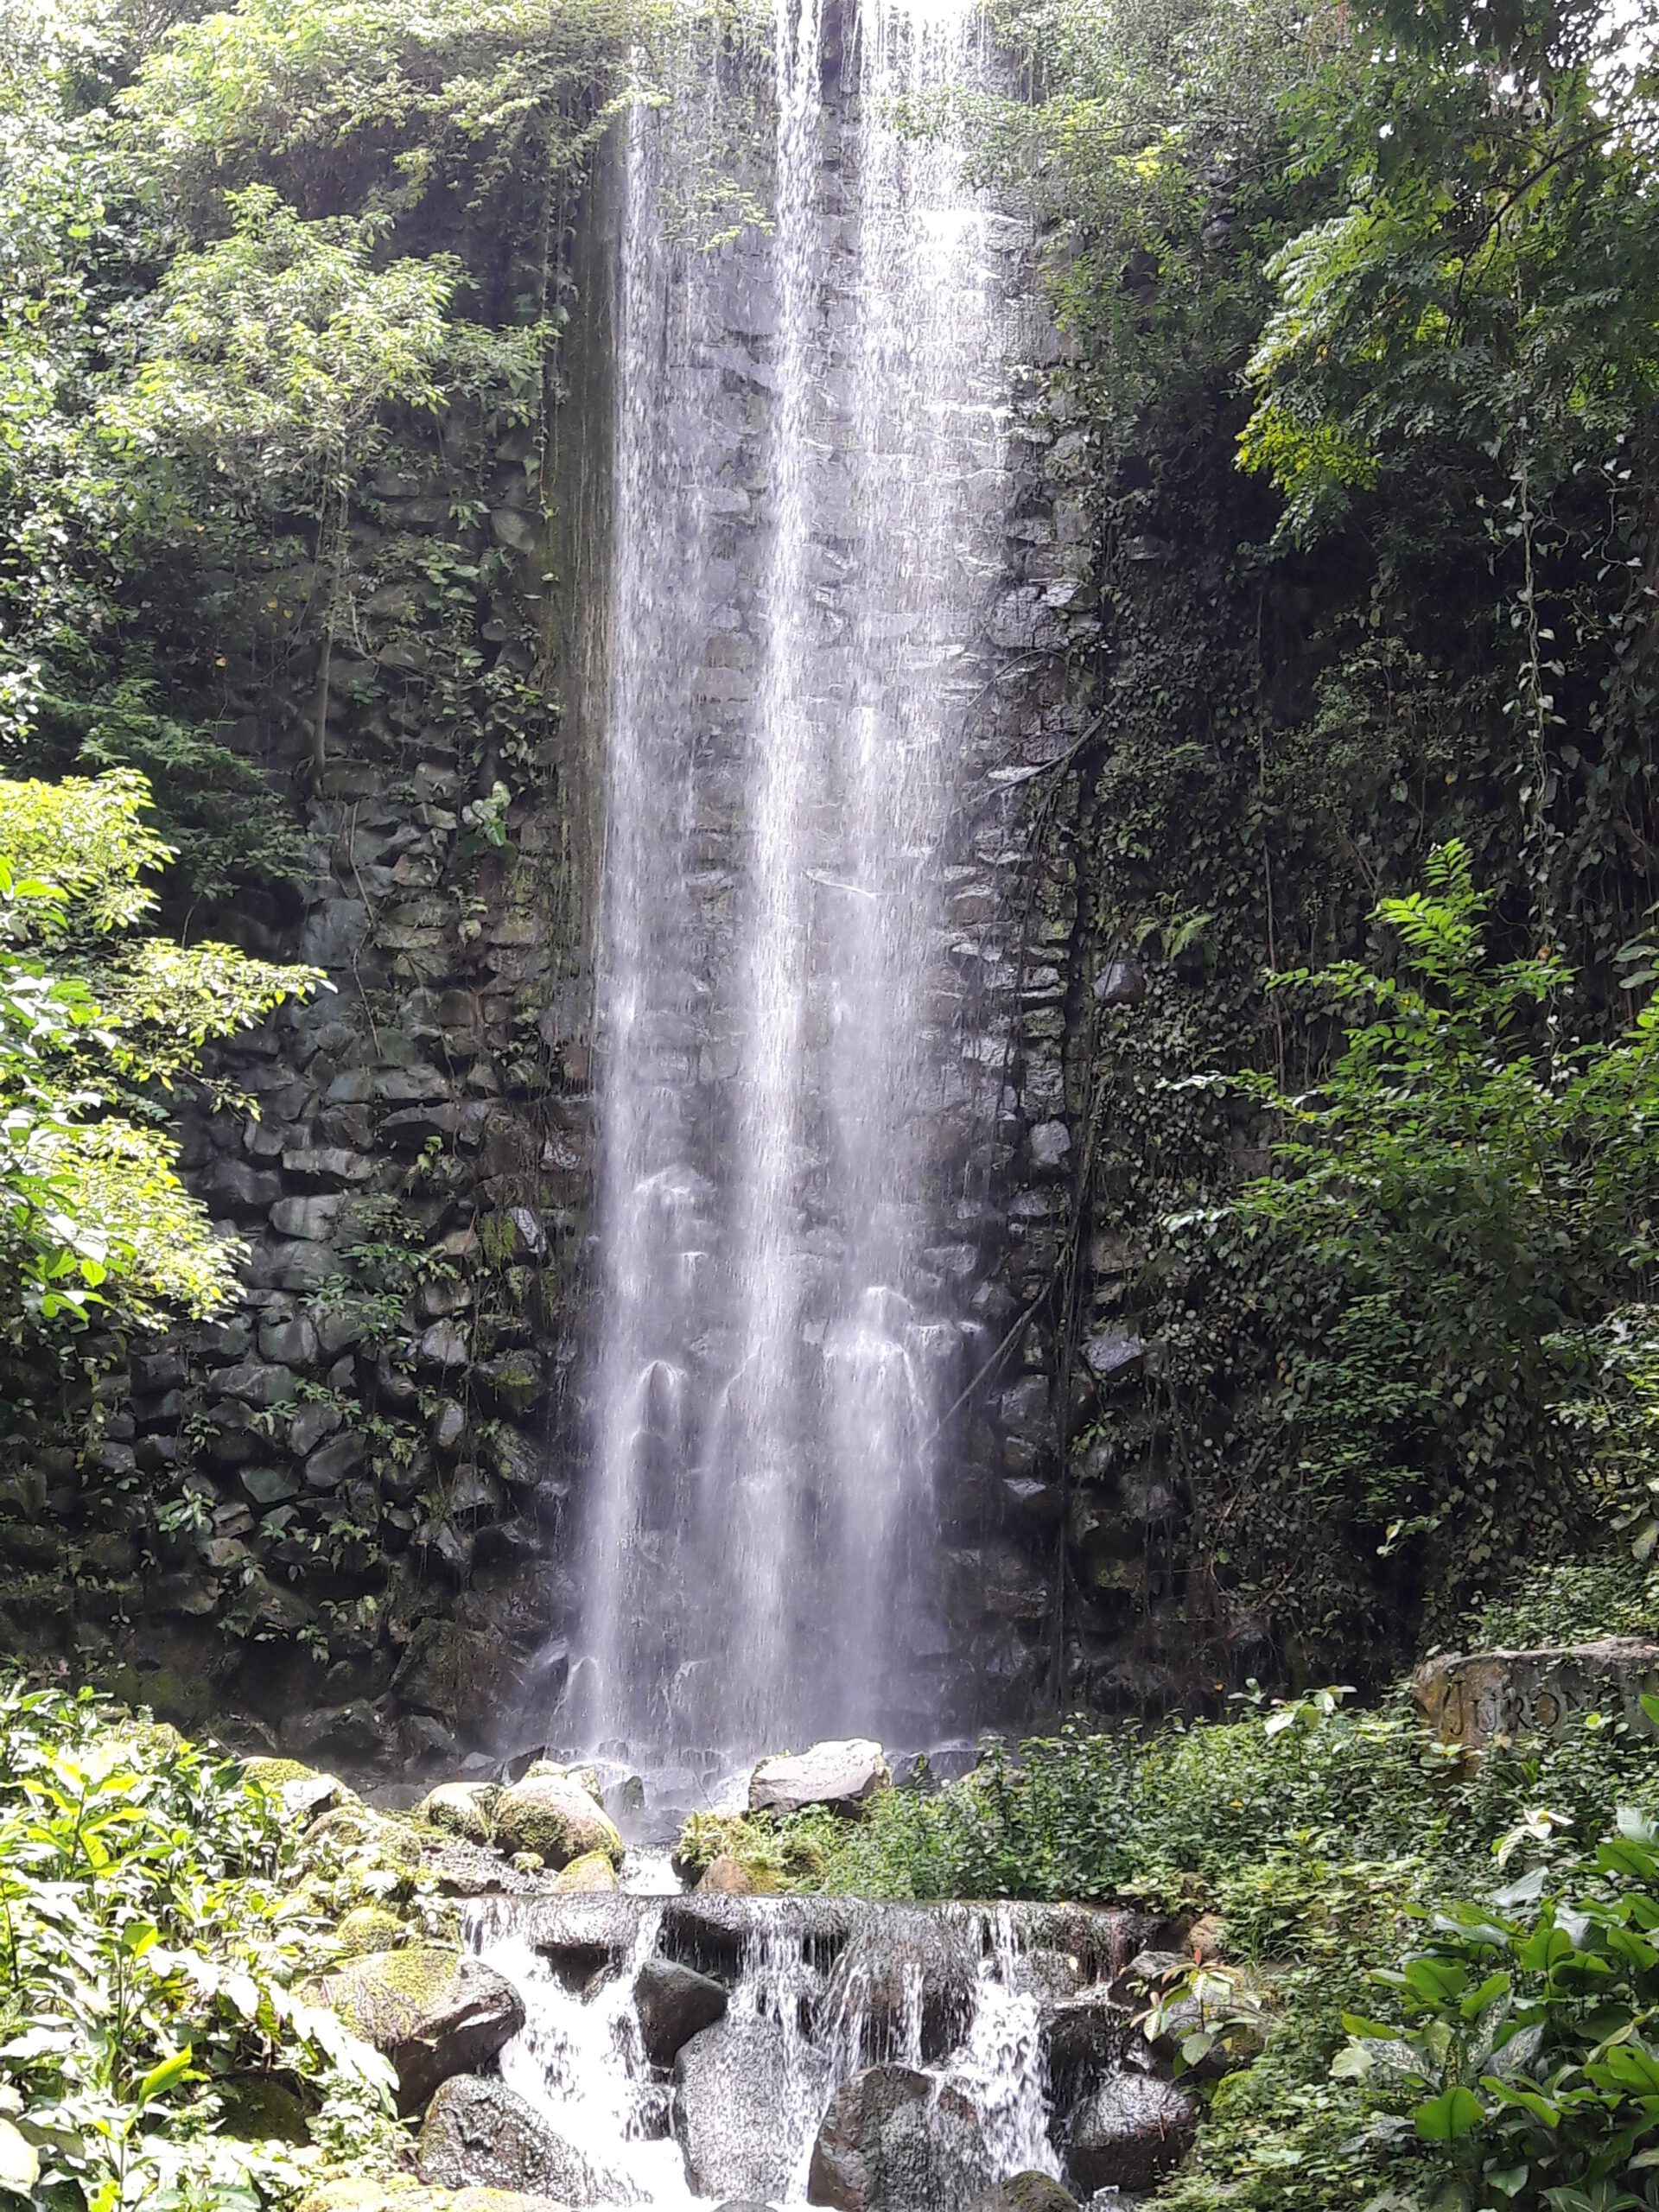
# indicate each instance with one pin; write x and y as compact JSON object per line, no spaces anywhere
{"x":554,"y":1816}
{"x":428,"y":2009}
{"x":367,"y":1930}
{"x":462,"y":1808}
{"x":401,"y":2194}
{"x":592,"y":1872}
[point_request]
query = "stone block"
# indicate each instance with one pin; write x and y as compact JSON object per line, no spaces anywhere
{"x":1475,"y":1698}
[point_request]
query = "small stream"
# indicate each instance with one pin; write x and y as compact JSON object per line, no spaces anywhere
{"x":950,"y":2009}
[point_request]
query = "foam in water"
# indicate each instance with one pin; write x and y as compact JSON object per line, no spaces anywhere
{"x":808,"y":488}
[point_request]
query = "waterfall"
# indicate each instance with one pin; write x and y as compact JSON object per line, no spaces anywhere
{"x":809,"y":483}
{"x":977,"y":2000}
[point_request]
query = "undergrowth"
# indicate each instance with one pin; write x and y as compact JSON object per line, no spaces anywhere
{"x":153,"y":2048}
{"x":1335,"y":1847}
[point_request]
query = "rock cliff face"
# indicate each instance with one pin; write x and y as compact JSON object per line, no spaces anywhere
{"x":340,"y":1515}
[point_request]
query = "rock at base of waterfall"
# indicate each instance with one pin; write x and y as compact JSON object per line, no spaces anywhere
{"x":481,"y":2135}
{"x":402,"y":2193}
{"x":554,"y":1816}
{"x":893,"y":2139}
{"x":904,"y":1985}
{"x":842,"y":1776}
{"x":733,"y":2086}
{"x":1028,"y":2192}
{"x":727,"y":1876}
{"x":461,"y":1808}
{"x":592,"y":1875}
{"x":673,"y":2004}
{"x":1128,"y":2131}
{"x":429,"y":2010}
{"x":584,"y":1932}
{"x":1084,"y":2036}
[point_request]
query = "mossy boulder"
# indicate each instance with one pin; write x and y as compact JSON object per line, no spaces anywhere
{"x":368,"y":1928}
{"x":432,"y":2013}
{"x":399,"y":2193}
{"x":1028,"y":2192}
{"x":482,"y":2134}
{"x":305,"y":1791}
{"x":728,"y":1877}
{"x":461,"y":1808}
{"x":587,"y":1875}
{"x":355,"y":1857}
{"x":554,"y":1816}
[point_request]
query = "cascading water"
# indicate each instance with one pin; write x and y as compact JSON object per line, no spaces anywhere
{"x":959,"y":2008}
{"x":807,"y":495}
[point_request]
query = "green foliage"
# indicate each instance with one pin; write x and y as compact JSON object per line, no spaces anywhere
{"x":274,"y":351}
{"x":1521,"y":2044}
{"x":150,"y":1941}
{"x":92,"y":1018}
{"x":1575,"y":1602}
{"x":1460,"y":1205}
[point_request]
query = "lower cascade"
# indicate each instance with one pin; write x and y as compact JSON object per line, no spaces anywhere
{"x":754,"y":2052}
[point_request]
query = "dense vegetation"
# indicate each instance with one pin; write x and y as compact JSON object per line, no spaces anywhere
{"x":155,"y":2046}
{"x":1360,"y":304}
{"x":1446,"y":1964}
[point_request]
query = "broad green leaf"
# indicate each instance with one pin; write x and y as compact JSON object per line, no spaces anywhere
{"x":162,"y":2077}
{"x":1449,"y":2116}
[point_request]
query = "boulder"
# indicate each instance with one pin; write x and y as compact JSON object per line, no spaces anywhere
{"x":554,"y":1816}
{"x":589,"y":1876}
{"x":1028,"y":2192}
{"x":582,"y":1934}
{"x":461,"y":1808}
{"x":367,"y":1928}
{"x":482,"y":2134}
{"x":727,"y":1876}
{"x":731,"y":2082}
{"x":893,"y":2139}
{"x":904,"y":1985}
{"x":1083,"y":2035}
{"x":1127,"y":2132}
{"x":429,"y":2010}
{"x":403,"y":2193}
{"x":673,"y":2004}
{"x":305,"y":1792}
{"x":839,"y":1775}
{"x":1471,"y":1700}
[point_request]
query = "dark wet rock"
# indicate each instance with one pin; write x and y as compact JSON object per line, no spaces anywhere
{"x":429,"y":2010}
{"x":1128,"y":2131}
{"x":1081,"y":2038}
{"x":674,"y":2003}
{"x":584,"y":1931}
{"x":842,"y":1776}
{"x":905,"y":1970}
{"x":730,"y":2084}
{"x":1120,"y":982}
{"x":893,"y":2139}
{"x":712,"y":1932}
{"x":1113,"y":1355}
{"x":482,"y":2135}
